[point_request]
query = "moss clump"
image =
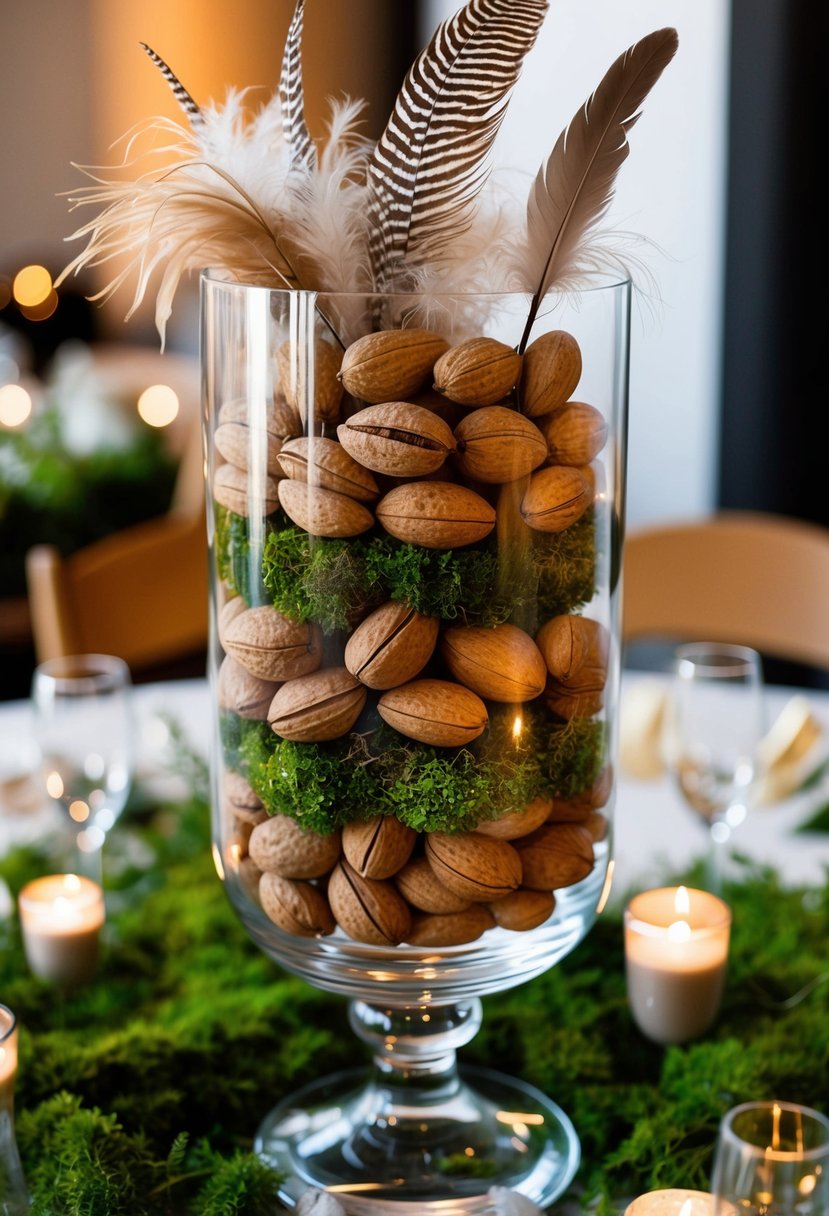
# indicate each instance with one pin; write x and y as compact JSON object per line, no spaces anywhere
{"x":325,"y":785}
{"x":233,"y":556}
{"x":336,"y":582}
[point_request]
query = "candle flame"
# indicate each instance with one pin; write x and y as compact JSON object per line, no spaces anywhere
{"x":679,"y":931}
{"x":682,"y":902}
{"x":517,"y":727}
{"x":72,"y":883}
{"x":686,"y":1209}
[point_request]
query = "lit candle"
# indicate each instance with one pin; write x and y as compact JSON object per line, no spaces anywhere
{"x":672,"y":1203}
{"x":8,"y":1058}
{"x":61,"y":916}
{"x":676,"y":950}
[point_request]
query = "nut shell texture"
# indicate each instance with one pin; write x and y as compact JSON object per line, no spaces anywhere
{"x":391,"y":645}
{"x":323,"y":512}
{"x":325,"y":463}
{"x":296,"y":907}
{"x":555,"y":855}
{"x":434,"y":711}
{"x":397,"y":438}
{"x":550,"y":373}
{"x":472,"y":866}
{"x":435,"y":514}
{"x":378,"y":848}
{"x":477,"y":372}
{"x":575,"y":433}
{"x":368,"y":909}
{"x":272,"y":647}
{"x":556,"y":498}
{"x":496,"y":444}
{"x":500,"y":663}
{"x":390,"y":365}
{"x":317,"y":707}
{"x":280,"y":846}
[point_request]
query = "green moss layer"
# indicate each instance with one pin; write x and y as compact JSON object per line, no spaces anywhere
{"x":140,"y":1094}
{"x":324,"y":785}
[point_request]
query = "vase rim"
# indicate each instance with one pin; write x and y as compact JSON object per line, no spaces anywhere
{"x":221,"y":277}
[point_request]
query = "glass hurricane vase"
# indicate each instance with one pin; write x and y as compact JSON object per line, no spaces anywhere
{"x":415,"y":513}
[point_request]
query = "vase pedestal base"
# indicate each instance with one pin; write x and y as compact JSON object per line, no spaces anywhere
{"x":355,"y":1136}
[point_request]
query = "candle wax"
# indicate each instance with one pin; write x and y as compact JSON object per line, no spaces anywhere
{"x":61,"y":917}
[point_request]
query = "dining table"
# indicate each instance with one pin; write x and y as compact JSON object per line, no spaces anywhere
{"x":146,"y":1052}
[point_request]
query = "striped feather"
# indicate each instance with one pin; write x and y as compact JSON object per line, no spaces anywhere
{"x":297,"y":137}
{"x":179,"y":92}
{"x":432,"y":158}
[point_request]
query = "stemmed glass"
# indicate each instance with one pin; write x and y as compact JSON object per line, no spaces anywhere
{"x":716,"y":722}
{"x":772,"y":1159}
{"x":82,"y":716}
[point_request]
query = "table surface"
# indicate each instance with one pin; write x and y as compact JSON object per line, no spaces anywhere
{"x":655,"y":834}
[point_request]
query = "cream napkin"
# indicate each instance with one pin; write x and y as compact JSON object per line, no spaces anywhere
{"x":789,"y":752}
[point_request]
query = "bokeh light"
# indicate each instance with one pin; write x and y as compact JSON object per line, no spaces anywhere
{"x":32,"y":286}
{"x":158,"y":405}
{"x":42,"y":310}
{"x":15,"y":405}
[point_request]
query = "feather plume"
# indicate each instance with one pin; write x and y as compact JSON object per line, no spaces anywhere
{"x":431,"y":160}
{"x":300,"y":145}
{"x":211,"y":202}
{"x":179,"y":92}
{"x":573,"y":189}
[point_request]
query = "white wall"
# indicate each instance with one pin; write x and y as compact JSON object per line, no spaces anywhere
{"x":671,"y":190}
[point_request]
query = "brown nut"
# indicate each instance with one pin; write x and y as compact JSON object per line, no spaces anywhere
{"x":556,"y":498}
{"x":435,"y":514}
{"x":239,"y":796}
{"x":271,"y":646}
{"x":242,"y":693}
{"x":479,"y":371}
{"x":391,"y":645}
{"x":232,"y":489}
{"x":550,"y":373}
{"x":518,"y":823}
{"x":323,"y":512}
{"x":575,"y":433}
{"x":230,"y":609}
{"x":499,"y":662}
{"x":296,"y":907}
{"x":368,"y":909}
{"x":598,"y":826}
{"x":421,"y":887}
{"x":450,"y":929}
{"x":390,"y":365}
{"x":473,"y":866}
{"x":238,"y":425}
{"x":378,"y":848}
{"x":397,"y":438}
{"x":281,"y":846}
{"x":572,"y":703}
{"x":576,"y":651}
{"x":555,"y":855}
{"x":324,"y":462}
{"x":317,"y":707}
{"x":524,"y":909}
{"x":496,"y":444}
{"x":434,"y":711}
{"x":291,"y":362}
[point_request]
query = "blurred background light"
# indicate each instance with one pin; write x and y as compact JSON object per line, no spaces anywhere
{"x":32,"y":286}
{"x":15,"y":405}
{"x":158,"y":405}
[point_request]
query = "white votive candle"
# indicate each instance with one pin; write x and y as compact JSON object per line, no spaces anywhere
{"x":672,"y":1202}
{"x":676,"y":950}
{"x":8,"y":1058}
{"x":61,"y":917}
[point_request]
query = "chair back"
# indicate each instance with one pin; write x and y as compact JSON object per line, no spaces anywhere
{"x":737,"y":576}
{"x":140,"y":593}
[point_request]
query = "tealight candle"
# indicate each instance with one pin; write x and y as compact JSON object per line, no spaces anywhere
{"x":61,"y":916}
{"x":672,"y":1203}
{"x":8,"y":1058}
{"x":676,"y":950}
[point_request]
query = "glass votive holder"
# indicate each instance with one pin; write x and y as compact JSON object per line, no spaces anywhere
{"x":772,"y":1159}
{"x":672,"y":1202}
{"x":14,"y":1197}
{"x":61,"y":917}
{"x":676,"y":952}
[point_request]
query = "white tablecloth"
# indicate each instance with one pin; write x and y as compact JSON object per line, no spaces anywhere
{"x":655,"y":835}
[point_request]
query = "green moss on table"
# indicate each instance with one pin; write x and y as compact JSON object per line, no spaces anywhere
{"x":140,"y":1093}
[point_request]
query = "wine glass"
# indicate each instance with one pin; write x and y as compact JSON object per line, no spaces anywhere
{"x":772,"y":1159}
{"x":82,"y":715}
{"x":716,"y":722}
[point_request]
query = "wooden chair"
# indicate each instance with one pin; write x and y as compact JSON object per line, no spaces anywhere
{"x":140,"y":593}
{"x":737,"y":576}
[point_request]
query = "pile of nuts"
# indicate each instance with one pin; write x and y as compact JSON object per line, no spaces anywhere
{"x":438,"y":446}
